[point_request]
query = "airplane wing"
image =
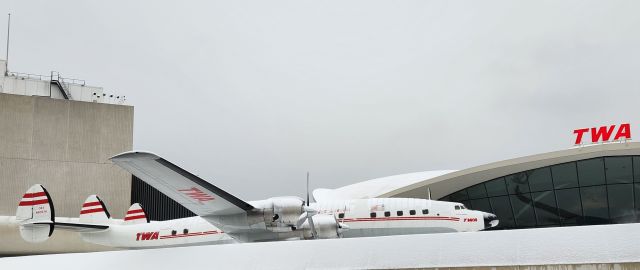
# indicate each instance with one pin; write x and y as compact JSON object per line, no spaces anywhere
{"x":193,"y":192}
{"x":196,"y":194}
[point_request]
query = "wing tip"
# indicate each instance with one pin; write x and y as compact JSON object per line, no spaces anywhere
{"x":134,"y":154}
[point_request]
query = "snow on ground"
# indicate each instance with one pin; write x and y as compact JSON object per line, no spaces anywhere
{"x":561,"y":245}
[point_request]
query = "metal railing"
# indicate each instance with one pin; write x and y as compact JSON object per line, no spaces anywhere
{"x":28,"y":76}
{"x":54,"y":74}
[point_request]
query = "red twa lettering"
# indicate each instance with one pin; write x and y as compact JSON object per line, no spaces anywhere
{"x":579,"y":133}
{"x":197,"y":194}
{"x":603,"y":133}
{"x":143,"y":236}
{"x":623,"y":131}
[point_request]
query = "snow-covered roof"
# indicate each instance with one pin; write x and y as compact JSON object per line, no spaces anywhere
{"x":375,"y":187}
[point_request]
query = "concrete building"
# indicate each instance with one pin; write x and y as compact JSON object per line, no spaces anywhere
{"x":587,"y":185}
{"x":60,"y":133}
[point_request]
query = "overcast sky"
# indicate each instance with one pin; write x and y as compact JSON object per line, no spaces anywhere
{"x":251,"y":95}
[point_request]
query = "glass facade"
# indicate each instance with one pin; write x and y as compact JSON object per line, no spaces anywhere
{"x":602,"y":190}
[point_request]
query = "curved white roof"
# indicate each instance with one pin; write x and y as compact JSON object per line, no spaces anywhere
{"x":375,"y":187}
{"x":444,"y":182}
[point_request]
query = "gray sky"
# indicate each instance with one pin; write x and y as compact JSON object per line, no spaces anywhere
{"x":252,"y":94}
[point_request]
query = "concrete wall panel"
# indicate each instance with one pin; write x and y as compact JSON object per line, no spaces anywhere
{"x":116,"y":128}
{"x":13,"y":183}
{"x":16,"y":125}
{"x":84,"y":118}
{"x":51,"y":125}
{"x":64,"y":145}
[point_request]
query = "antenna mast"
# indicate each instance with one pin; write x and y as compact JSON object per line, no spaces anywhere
{"x":6,"y":63}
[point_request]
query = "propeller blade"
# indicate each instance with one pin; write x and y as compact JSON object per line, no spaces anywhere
{"x":301,"y":220}
{"x":307,"y":188}
{"x":314,"y":233}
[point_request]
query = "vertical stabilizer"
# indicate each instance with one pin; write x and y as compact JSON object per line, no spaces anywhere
{"x":94,"y":211}
{"x":35,"y":214}
{"x":136,"y":215}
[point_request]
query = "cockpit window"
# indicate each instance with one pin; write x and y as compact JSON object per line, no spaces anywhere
{"x":462,"y":207}
{"x":457,"y":207}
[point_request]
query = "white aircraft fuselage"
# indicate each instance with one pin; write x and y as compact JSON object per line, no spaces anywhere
{"x":363,"y":217}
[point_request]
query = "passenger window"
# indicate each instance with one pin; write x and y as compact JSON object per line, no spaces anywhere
{"x":387,"y":214}
{"x":341,"y":215}
{"x":399,"y":213}
{"x":185,"y":231}
{"x":412,"y":212}
{"x":174,"y":232}
{"x":425,"y":211}
{"x":373,"y":214}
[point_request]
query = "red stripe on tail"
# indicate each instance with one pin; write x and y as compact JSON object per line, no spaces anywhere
{"x":33,"y":195}
{"x":31,"y":203}
{"x":135,"y":211}
{"x":135,"y":217}
{"x":91,"y":204}
{"x":89,"y":211}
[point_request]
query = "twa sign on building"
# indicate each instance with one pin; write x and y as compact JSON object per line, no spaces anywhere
{"x":603,"y":134}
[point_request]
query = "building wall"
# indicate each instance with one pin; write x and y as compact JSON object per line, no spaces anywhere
{"x":64,"y":145}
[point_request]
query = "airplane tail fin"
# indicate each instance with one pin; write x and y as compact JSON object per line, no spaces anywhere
{"x":136,"y":215}
{"x":36,"y":215}
{"x":94,"y":211}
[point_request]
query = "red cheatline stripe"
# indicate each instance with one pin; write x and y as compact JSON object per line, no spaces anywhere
{"x":189,"y":234}
{"x":89,"y":211}
{"x":91,"y":204}
{"x":33,"y":195}
{"x":135,"y":217}
{"x":31,"y":203}
{"x":135,"y":211}
{"x":192,"y":234}
{"x":405,"y":218}
{"x":401,"y":218}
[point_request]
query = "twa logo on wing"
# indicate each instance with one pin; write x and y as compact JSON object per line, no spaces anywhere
{"x":196,"y":194}
{"x":144,"y":236}
{"x":603,"y":134}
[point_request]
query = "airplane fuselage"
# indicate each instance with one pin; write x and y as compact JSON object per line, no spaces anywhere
{"x":364,"y":218}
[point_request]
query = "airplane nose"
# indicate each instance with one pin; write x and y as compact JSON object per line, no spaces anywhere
{"x":490,"y":220}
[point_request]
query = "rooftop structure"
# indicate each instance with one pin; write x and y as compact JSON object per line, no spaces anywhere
{"x":54,"y":85}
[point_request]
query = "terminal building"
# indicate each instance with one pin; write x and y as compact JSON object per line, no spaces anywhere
{"x":585,"y":185}
{"x":60,"y":132}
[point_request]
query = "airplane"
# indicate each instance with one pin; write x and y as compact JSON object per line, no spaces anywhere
{"x":223,"y":218}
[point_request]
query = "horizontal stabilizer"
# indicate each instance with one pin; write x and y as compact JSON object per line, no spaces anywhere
{"x":80,"y":227}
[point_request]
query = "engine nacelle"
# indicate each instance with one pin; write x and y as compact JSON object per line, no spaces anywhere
{"x":281,"y":213}
{"x":327,"y":227}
